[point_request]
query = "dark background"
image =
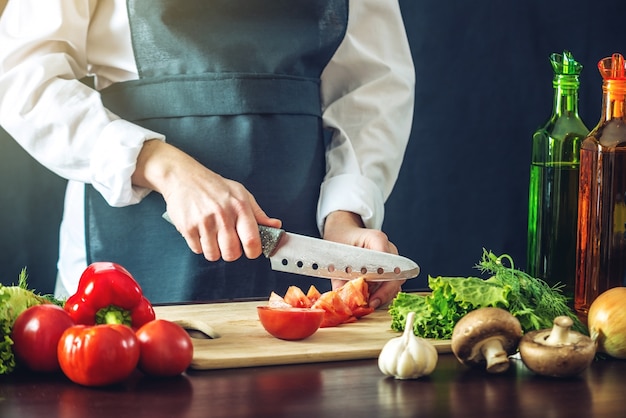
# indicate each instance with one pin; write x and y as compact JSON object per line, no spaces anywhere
{"x":484,"y":84}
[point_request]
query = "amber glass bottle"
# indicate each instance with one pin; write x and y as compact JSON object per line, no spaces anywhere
{"x":553,"y":188}
{"x":601,"y":240}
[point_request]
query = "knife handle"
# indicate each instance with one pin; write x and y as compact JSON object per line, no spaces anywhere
{"x":269,"y":236}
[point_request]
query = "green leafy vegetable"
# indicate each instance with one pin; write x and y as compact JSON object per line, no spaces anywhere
{"x":531,"y":300}
{"x":13,"y":301}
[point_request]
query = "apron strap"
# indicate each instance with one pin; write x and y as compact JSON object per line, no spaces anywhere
{"x":232,"y":94}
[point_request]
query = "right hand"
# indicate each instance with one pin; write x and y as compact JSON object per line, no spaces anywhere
{"x":216,"y":216}
{"x":348,"y":228}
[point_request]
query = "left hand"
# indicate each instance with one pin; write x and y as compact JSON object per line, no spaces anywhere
{"x":347,"y":228}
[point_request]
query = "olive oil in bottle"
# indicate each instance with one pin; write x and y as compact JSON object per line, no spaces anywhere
{"x":553,"y":189}
{"x":601,"y":240}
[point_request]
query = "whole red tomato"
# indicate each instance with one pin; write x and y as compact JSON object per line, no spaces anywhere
{"x":36,"y":334}
{"x":166,"y":348}
{"x":98,"y":355}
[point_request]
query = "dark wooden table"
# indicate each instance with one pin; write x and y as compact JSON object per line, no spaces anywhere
{"x":336,"y":389}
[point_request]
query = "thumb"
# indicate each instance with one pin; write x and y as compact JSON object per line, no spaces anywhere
{"x":261,"y":217}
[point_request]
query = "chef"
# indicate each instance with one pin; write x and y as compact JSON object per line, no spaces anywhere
{"x":227,"y":114}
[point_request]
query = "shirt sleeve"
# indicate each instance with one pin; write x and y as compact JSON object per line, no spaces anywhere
{"x":55,"y":117}
{"x":368,"y":97}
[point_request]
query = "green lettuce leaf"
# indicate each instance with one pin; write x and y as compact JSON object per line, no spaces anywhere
{"x":529,"y":299}
{"x":7,"y":359}
{"x":450,"y":299}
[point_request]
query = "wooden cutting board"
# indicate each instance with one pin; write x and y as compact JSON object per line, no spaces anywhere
{"x":243,"y":341}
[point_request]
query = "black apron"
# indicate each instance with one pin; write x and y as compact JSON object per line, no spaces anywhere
{"x":236,"y":84}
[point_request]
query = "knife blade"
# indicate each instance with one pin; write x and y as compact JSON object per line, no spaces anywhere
{"x":308,"y":256}
{"x":316,"y":257}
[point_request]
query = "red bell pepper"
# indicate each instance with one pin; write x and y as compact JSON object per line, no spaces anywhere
{"x":108,"y":294}
{"x":98,"y":355}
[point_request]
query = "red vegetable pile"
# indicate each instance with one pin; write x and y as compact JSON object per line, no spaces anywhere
{"x":106,"y":331}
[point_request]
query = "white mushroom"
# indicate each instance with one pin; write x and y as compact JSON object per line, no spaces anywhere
{"x":557,"y":352}
{"x":486,"y":337}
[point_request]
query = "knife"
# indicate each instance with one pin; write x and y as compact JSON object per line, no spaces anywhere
{"x":308,"y":256}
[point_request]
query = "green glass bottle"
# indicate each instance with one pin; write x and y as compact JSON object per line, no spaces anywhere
{"x":553,"y":189}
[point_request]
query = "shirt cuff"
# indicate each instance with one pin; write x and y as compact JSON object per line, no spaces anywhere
{"x":114,"y":160}
{"x":352,"y":193}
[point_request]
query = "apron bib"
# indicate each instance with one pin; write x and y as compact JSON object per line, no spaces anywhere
{"x":234,"y":83}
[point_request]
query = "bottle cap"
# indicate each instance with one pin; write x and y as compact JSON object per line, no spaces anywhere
{"x":613,"y":67}
{"x":565,"y":64}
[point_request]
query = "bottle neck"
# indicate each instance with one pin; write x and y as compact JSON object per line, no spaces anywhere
{"x":613,"y":99}
{"x":565,"y":94}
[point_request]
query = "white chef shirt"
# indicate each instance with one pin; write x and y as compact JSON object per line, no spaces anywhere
{"x":47,"y":46}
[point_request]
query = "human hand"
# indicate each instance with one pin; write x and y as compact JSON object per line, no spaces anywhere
{"x":216,"y":216}
{"x":221,"y":220}
{"x":347,"y":228}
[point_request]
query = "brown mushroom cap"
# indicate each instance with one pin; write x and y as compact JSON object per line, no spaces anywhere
{"x":483,"y":325}
{"x":563,"y":354}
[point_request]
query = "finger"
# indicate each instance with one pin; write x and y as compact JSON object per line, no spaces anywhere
{"x":385,"y":293}
{"x":248,"y":228}
{"x":229,"y":245}
{"x":337,"y":283}
{"x":261,"y":217}
{"x":248,"y":231}
{"x":373,"y":286}
{"x":378,"y":241}
{"x":210,"y":246}
{"x":194,"y":244}
{"x":192,"y":238}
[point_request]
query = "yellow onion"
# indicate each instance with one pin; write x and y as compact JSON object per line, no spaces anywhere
{"x":607,"y":322}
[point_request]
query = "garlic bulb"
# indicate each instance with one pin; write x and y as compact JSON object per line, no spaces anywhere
{"x":408,"y":356}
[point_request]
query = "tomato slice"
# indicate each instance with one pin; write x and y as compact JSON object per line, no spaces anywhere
{"x":296,"y":298}
{"x":313,"y":294}
{"x":277,"y":301}
{"x":355,"y":294}
{"x":337,"y":312}
{"x":290,"y":323}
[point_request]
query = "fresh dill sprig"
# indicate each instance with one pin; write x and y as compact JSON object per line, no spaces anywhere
{"x":22,"y":280}
{"x":536,"y":302}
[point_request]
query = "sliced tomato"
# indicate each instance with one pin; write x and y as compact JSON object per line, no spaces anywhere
{"x":355,"y":294}
{"x":362,"y":286}
{"x":336,"y":310}
{"x":313,"y":294}
{"x":296,"y":298}
{"x":362,"y":311}
{"x":277,"y":301}
{"x":343,"y":305}
{"x":290,"y":323}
